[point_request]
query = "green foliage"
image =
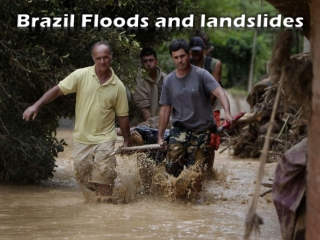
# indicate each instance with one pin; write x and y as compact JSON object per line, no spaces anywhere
{"x":34,"y":60}
{"x":234,"y":46}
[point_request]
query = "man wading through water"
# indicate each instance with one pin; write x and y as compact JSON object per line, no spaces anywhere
{"x":101,"y":96}
{"x":214,"y":67}
{"x":186,"y":96}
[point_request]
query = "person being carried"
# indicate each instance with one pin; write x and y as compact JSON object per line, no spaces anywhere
{"x":101,"y":97}
{"x":214,"y":67}
{"x":146,"y":93}
{"x":186,"y":97}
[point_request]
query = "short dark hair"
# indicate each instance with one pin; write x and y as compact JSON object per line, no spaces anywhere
{"x":101,"y":43}
{"x":178,"y":44}
{"x":147,"y":52}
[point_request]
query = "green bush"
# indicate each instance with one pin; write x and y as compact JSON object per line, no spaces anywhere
{"x":34,"y":60}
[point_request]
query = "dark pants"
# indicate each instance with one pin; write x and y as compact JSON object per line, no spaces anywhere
{"x":185,"y":148}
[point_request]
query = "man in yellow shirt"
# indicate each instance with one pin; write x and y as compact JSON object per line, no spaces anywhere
{"x":101,"y":97}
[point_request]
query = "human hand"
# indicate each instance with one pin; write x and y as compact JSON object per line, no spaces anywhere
{"x":30,"y":112}
{"x":229,"y":118}
{"x":163,"y":144}
{"x":127,"y":142}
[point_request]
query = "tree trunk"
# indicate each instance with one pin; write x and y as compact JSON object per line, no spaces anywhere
{"x":254,"y":42}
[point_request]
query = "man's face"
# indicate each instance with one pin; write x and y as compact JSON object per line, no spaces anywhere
{"x":181,"y":59}
{"x":102,"y":57}
{"x":197,"y":55}
{"x":149,"y":63}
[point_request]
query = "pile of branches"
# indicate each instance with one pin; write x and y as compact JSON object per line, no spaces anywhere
{"x":247,"y":137}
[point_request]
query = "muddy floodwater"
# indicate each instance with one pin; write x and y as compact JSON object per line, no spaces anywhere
{"x":56,"y":209}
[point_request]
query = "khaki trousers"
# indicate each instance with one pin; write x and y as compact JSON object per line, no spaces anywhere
{"x":93,"y":164}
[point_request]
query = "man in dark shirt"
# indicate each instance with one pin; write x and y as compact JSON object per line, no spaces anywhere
{"x":186,"y":97}
{"x":214,"y":67}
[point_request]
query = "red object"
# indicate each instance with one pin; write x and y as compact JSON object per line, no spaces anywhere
{"x":227,"y":124}
{"x":215,"y":138}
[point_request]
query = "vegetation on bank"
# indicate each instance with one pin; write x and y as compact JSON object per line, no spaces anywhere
{"x":234,"y":46}
{"x":35,"y":59}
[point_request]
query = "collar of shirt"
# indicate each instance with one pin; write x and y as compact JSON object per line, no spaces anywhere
{"x":147,"y":77}
{"x":111,"y":80}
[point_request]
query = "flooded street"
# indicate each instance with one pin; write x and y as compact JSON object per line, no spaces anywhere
{"x":56,"y":209}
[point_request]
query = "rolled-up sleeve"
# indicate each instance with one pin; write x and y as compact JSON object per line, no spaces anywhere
{"x":140,"y":95}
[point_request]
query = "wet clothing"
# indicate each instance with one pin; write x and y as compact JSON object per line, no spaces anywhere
{"x":208,"y":64}
{"x":189,"y":98}
{"x":186,"y":147}
{"x":289,"y":191}
{"x":215,"y":139}
{"x":147,"y":92}
{"x":93,"y":164}
{"x":96,"y":105}
{"x":94,"y":134}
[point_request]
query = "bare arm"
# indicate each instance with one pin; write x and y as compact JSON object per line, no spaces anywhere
{"x":164,"y":116}
{"x":48,"y":97}
{"x":119,"y":133}
{"x":145,"y":113}
{"x":125,"y":130}
{"x":217,"y":71}
{"x":220,"y":94}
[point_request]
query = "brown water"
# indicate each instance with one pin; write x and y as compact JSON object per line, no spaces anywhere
{"x":57,"y":210}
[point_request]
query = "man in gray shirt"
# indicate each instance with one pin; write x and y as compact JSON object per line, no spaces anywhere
{"x":186,"y":96}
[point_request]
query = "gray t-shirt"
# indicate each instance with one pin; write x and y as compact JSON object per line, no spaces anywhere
{"x":189,"y":98}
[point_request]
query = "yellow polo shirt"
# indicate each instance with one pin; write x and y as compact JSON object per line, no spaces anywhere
{"x":96,"y":105}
